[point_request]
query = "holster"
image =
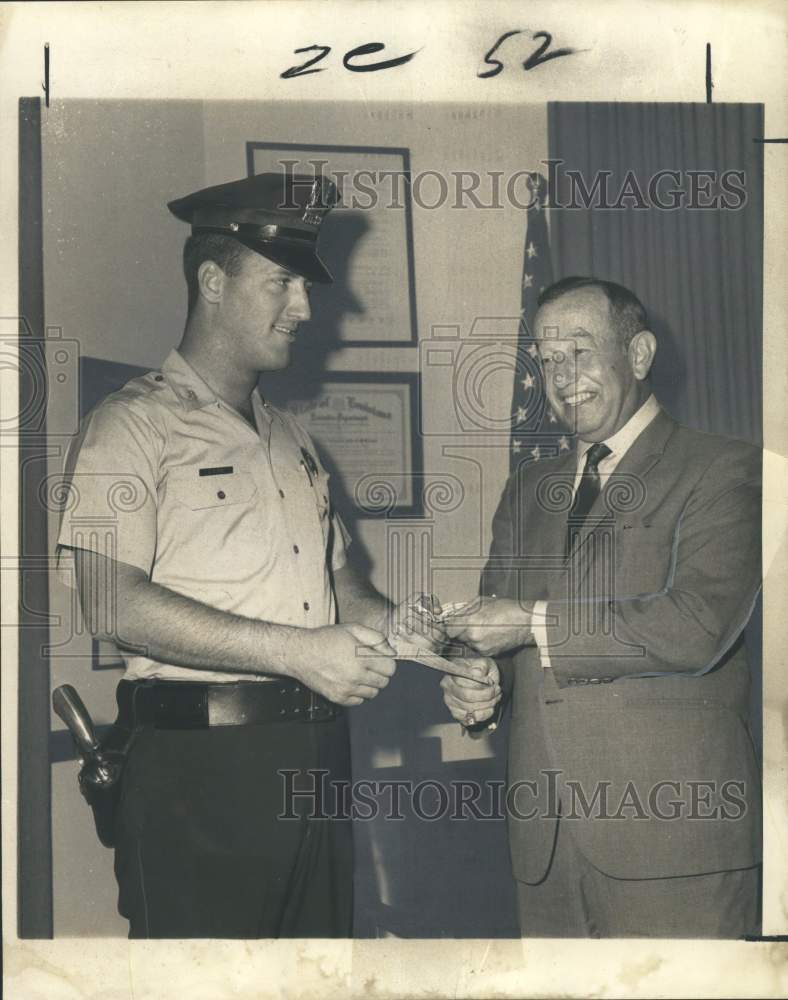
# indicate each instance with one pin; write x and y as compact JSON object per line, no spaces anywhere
{"x":104,"y":798}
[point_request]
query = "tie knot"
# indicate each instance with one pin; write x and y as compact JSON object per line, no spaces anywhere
{"x":595,"y":454}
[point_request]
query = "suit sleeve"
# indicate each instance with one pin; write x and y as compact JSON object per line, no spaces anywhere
{"x":496,"y":576}
{"x":709,"y":594}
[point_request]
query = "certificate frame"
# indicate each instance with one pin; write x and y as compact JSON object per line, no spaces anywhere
{"x":400,"y":151}
{"x":409,"y":382}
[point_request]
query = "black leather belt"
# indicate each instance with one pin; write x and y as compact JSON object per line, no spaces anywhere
{"x":190,"y":705}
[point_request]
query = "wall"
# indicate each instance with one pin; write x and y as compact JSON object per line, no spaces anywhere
{"x":112,"y":263}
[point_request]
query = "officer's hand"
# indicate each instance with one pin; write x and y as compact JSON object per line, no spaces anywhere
{"x":491,"y":625}
{"x":472,"y":701}
{"x":348,"y":664}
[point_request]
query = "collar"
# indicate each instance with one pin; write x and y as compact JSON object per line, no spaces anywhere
{"x":626,"y":436}
{"x":191,"y":388}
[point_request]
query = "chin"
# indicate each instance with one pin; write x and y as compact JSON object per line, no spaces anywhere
{"x":276,"y":364}
{"x":591,"y":425}
{"x":592,"y":430}
{"x":576,"y":426}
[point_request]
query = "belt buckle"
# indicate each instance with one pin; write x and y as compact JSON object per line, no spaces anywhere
{"x":312,"y":707}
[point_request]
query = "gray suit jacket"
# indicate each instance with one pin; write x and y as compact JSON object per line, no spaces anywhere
{"x":639,"y":734}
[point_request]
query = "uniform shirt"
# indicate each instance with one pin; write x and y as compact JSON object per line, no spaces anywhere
{"x":619,"y":444}
{"x":169,"y":478}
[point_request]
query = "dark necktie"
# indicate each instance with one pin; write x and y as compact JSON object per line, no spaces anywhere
{"x":587,"y":493}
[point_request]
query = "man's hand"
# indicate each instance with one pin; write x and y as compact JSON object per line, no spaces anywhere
{"x":491,"y":625}
{"x":415,"y":622}
{"x":348,"y":664}
{"x":472,"y":701}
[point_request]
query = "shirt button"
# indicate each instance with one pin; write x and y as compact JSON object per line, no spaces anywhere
{"x":191,"y":394}
{"x":158,"y":378}
{"x":296,"y":549}
{"x":306,"y":605}
{"x":282,"y":494}
{"x":221,"y":494}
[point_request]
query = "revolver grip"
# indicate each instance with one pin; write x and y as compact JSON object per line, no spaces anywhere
{"x":71,"y":709}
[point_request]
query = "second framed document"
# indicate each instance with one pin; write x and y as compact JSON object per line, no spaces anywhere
{"x":365,"y":425}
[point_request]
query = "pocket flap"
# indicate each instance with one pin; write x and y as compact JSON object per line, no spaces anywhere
{"x":199,"y":493}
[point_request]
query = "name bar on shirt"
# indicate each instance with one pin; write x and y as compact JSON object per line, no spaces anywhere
{"x":220,"y":470}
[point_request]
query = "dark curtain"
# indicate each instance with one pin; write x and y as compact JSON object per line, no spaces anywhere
{"x":698,"y":271}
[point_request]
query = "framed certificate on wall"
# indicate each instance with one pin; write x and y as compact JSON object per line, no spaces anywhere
{"x":367,"y":240}
{"x":364,"y":424}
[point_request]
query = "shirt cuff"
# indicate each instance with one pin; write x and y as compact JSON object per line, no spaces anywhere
{"x":539,"y":630}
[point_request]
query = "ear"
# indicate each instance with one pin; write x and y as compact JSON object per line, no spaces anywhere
{"x":210,"y":281}
{"x":642,"y":349}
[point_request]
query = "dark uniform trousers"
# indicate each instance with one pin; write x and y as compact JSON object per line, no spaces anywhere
{"x":200,"y":849}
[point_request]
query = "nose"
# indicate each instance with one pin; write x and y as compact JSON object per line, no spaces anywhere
{"x":298,"y":305}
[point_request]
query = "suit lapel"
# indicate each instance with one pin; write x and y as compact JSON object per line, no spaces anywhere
{"x":543,"y":532}
{"x":628,"y":480}
{"x":646,"y":451}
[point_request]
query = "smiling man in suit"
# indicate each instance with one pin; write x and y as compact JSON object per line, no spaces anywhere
{"x":620,"y":579}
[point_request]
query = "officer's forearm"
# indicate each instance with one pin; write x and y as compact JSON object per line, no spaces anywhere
{"x":120,"y":604}
{"x":178,"y":630}
{"x":358,"y":601}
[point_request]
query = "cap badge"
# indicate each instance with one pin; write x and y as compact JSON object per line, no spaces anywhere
{"x":310,"y":217}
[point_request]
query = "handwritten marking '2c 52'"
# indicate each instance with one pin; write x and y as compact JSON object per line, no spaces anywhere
{"x":539,"y":56}
{"x":347,"y":61}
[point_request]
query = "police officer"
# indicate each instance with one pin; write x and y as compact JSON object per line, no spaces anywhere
{"x":221,"y":575}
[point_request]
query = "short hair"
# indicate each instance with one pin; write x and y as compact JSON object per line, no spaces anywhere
{"x":626,"y":310}
{"x":225,"y":251}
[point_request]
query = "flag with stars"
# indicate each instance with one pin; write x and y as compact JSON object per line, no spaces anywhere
{"x":528,"y":401}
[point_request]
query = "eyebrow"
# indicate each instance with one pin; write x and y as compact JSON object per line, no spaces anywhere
{"x":554,"y":342}
{"x":282,"y":272}
{"x":574,"y":334}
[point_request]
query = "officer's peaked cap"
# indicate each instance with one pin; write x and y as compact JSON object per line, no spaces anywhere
{"x":277,"y":215}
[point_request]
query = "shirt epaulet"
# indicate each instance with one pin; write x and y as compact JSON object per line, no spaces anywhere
{"x":151,"y":385}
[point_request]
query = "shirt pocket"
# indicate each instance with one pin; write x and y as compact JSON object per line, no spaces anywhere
{"x":214,"y":492}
